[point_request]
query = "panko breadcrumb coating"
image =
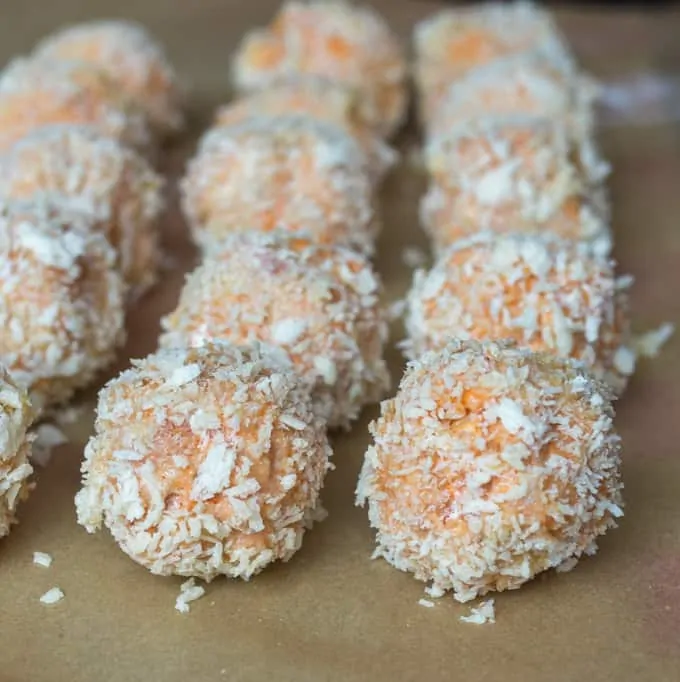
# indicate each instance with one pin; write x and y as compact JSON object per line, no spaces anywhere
{"x":16,"y":415}
{"x":515,"y":173}
{"x":339,"y":40}
{"x":522,"y":85}
{"x":61,"y":299}
{"x":293,"y":171}
{"x":451,"y":43}
{"x":321,"y":99}
{"x":205,"y":462}
{"x":99,"y":174}
{"x":129,"y":55}
{"x":38,"y":92}
{"x":545,"y":293}
{"x":490,"y":465}
{"x":319,"y":304}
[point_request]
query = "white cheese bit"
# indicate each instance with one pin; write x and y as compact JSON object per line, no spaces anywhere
{"x":189,"y":591}
{"x":484,"y":613}
{"x":52,"y":596}
{"x":426,"y":603}
{"x":48,"y":437}
{"x":42,"y":559}
{"x":649,"y":344}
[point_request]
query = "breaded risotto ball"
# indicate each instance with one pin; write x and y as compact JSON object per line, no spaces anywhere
{"x":61,"y":299}
{"x":514,"y":173}
{"x":291,"y":171}
{"x":100,"y":175}
{"x":543,"y":292}
{"x":130,"y":56}
{"x":453,"y":42}
{"x":339,"y":40}
{"x":205,"y":462}
{"x":491,"y":465}
{"x":320,"y":304}
{"x":37,"y":92}
{"x":321,"y":99}
{"x":523,"y":85}
{"x":16,"y":415}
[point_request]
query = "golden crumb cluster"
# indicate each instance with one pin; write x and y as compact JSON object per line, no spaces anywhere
{"x":491,"y":465}
{"x":545,"y":293}
{"x":61,"y":299}
{"x":291,"y":172}
{"x":205,"y":462}
{"x":319,"y":304}
{"x":16,"y":416}
{"x":99,"y":176}
{"x":338,"y":40}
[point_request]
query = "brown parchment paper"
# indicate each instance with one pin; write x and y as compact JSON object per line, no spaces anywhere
{"x":332,"y":613}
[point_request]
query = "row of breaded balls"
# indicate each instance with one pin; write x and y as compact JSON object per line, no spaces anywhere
{"x":493,"y":462}
{"x":81,"y":119}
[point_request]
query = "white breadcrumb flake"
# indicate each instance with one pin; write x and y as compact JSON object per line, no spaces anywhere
{"x":48,"y":437}
{"x":189,"y":592}
{"x":482,"y":614}
{"x":649,"y":344}
{"x":426,"y":603}
{"x":52,"y":596}
{"x":42,"y":559}
{"x":413,"y":257}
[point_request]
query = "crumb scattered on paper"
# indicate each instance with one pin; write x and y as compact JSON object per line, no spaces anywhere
{"x":52,"y":596}
{"x":482,"y":614}
{"x":42,"y":559}
{"x":188,"y":592}
{"x":48,"y":437}
{"x":426,"y":603}
{"x":434,"y":591}
{"x":413,"y":257}
{"x":649,"y":344}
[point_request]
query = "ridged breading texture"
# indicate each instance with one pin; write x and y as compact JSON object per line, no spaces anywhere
{"x":205,"y":462}
{"x":490,"y":465}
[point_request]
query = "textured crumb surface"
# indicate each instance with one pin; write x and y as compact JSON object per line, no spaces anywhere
{"x":38,"y":92}
{"x":130,"y":56}
{"x":292,"y":172}
{"x":100,"y":176}
{"x":491,"y":465}
{"x":515,"y":173}
{"x":545,"y":293}
{"x":219,"y":465}
{"x":61,"y":299}
{"x":320,"y":304}
{"x":339,"y":40}
{"x":16,"y":415}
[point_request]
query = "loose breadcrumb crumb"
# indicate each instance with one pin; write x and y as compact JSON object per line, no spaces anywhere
{"x":42,"y":559}
{"x":413,"y":257}
{"x":426,"y":603}
{"x":484,"y":613}
{"x":52,"y":596}
{"x":189,"y":591}
{"x":48,"y":437}
{"x":649,"y":344}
